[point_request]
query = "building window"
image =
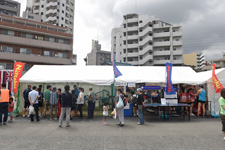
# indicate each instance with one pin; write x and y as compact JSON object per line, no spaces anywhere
{"x":140,"y":30}
{"x":26,"y":35}
{"x":25,"y":51}
{"x":124,"y":42}
{"x":51,"y":39}
{"x":61,"y":25}
{"x":174,"y":58}
{"x":71,"y":10}
{"x":26,"y":67}
{"x":34,"y":37}
{"x":42,"y":13}
{"x":62,"y":4}
{"x":71,"y":16}
{"x":124,"y":51}
{"x":57,"y":10}
{"x":40,"y":38}
{"x":177,"y":39}
{"x":102,"y":54}
{"x":62,"y":18}
{"x":70,"y":29}
{"x":71,"y":3}
{"x":6,"y":49}
{"x":49,"y":54}
{"x":124,"y":59}
{"x":62,"y":11}
{"x":42,"y":6}
{"x":62,"y":55}
{"x":8,"y":32}
{"x":140,"y":48}
{"x":124,"y":25}
{"x":6,"y":65}
{"x":174,"y":49}
{"x":140,"y":21}
{"x":30,"y":17}
{"x":71,"y":23}
{"x":124,"y":33}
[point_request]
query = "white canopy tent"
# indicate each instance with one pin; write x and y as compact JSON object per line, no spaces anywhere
{"x":104,"y":74}
{"x":206,"y":77}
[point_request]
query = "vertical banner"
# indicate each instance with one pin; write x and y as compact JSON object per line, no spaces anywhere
{"x":117,"y":73}
{"x":217,"y":85}
{"x":169,"y":85}
{"x":18,"y":69}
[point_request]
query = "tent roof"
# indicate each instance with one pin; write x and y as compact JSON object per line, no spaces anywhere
{"x":104,"y":74}
{"x":205,"y":76}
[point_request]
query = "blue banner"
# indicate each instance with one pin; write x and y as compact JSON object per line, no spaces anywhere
{"x":117,"y":73}
{"x":169,"y":85}
{"x":151,"y":87}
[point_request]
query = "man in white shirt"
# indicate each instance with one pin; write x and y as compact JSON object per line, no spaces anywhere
{"x":33,"y":99}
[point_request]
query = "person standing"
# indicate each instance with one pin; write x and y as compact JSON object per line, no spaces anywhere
{"x":120,"y":111}
{"x":202,"y":100}
{"x":73,"y":108}
{"x":53,"y":103}
{"x":47,"y":99}
{"x":80,"y":102}
{"x":133,"y":101}
{"x":33,"y":98}
{"x":66,"y":106}
{"x":26,"y":100}
{"x":76,"y":90}
{"x":10,"y":109}
{"x":5,"y":94}
{"x":91,"y":103}
{"x":140,"y":103}
{"x":190,"y":100}
{"x":59,"y":101}
{"x":222,"y":110}
{"x":40,"y":100}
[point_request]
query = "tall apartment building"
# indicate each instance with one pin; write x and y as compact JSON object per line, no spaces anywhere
{"x":143,"y":40}
{"x":56,"y":12}
{"x":195,"y":59}
{"x":33,"y":43}
{"x":9,"y":7}
{"x":97,"y":56}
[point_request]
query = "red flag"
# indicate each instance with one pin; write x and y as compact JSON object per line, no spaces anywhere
{"x":218,"y":86}
{"x":18,"y":69}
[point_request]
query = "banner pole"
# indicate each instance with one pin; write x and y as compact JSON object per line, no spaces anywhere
{"x":214,"y":94}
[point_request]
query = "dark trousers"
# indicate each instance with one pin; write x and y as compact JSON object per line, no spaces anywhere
{"x":4,"y":109}
{"x":80,"y":110}
{"x":36,"y":106}
{"x":223,"y":122}
{"x":91,"y":109}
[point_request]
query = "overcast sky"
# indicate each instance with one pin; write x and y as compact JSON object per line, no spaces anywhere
{"x":202,"y":21}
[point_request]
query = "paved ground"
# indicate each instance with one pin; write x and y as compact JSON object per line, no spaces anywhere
{"x":175,"y":134}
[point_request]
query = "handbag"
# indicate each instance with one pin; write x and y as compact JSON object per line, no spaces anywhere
{"x":140,"y":107}
{"x":31,"y":110}
{"x":120,"y":103}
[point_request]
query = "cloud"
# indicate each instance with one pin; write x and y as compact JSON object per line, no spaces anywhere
{"x":202,"y":22}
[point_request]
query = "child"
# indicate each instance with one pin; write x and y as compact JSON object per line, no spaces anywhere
{"x":105,"y":112}
{"x":10,"y":109}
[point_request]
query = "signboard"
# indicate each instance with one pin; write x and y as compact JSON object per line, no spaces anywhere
{"x":163,"y":101}
{"x":131,"y":84}
{"x":151,"y":87}
{"x":121,"y":84}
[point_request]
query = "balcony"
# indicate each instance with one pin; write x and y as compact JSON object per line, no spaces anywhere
{"x":177,"y":43}
{"x":134,"y":54}
{"x":158,"y":44}
{"x":163,"y":34}
{"x":133,"y":62}
{"x":161,"y":53}
{"x":34,"y":43}
{"x":146,"y":22}
{"x":34,"y":58}
{"x":132,"y":45}
{"x":51,"y":11}
{"x":132,"y":20}
{"x":145,"y":31}
{"x":132,"y":28}
{"x":180,"y":61}
{"x":179,"y":33}
{"x":146,"y":40}
{"x":178,"y":52}
{"x":51,"y":4}
{"x":132,"y":37}
{"x":202,"y":59}
{"x":36,"y":2}
{"x":145,"y":59}
{"x":159,"y":26}
{"x":36,"y":11}
{"x":160,"y":62}
{"x":51,"y":18}
{"x":145,"y":50}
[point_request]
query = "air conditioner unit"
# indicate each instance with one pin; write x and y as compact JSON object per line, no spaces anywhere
{"x":1,"y":67}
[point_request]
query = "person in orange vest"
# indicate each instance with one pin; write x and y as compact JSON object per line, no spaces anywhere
{"x":5,"y":94}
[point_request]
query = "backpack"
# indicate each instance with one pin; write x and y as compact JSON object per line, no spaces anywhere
{"x":124,"y":100}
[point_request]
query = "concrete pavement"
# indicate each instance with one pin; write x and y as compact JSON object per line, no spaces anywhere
{"x":86,"y":134}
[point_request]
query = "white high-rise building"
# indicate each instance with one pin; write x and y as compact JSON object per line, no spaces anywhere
{"x":57,"y":12}
{"x":143,"y":40}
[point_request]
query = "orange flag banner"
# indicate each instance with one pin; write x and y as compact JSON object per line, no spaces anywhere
{"x":18,"y":69}
{"x":217,"y":85}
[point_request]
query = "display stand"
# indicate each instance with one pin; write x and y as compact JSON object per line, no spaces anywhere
{"x":128,"y":110}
